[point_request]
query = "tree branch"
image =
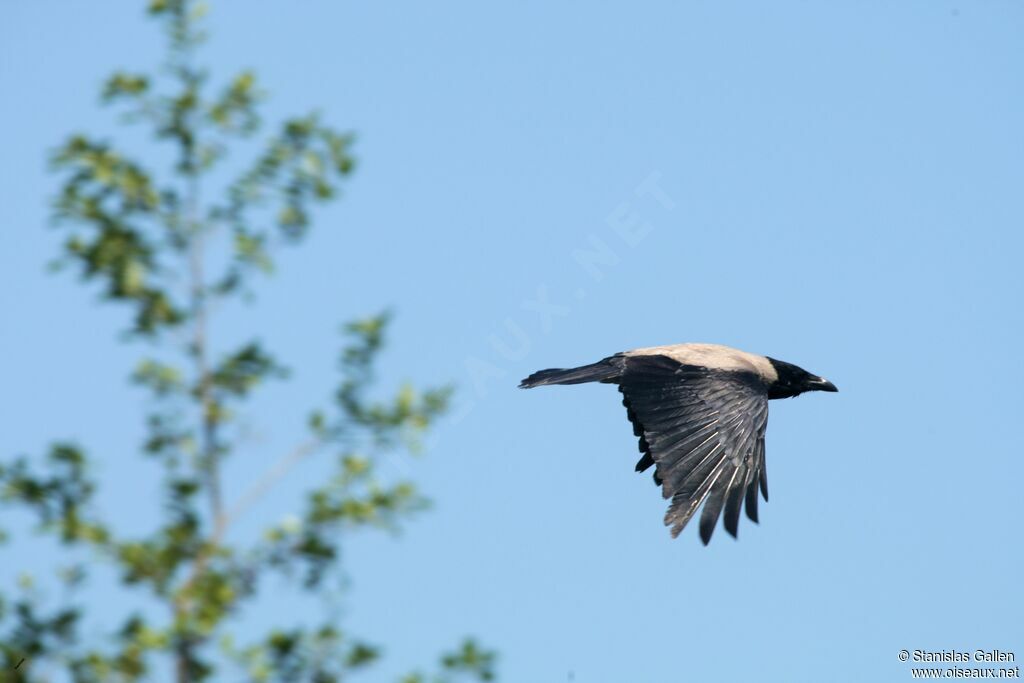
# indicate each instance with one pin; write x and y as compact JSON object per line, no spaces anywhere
{"x":277,"y":472}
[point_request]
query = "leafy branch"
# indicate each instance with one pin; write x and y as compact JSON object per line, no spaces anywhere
{"x":145,"y":240}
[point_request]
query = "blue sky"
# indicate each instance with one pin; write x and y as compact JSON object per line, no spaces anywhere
{"x":838,"y":186}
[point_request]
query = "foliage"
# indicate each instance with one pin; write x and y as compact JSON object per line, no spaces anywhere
{"x":146,"y":239}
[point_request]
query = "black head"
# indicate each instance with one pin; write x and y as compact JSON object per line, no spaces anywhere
{"x":794,"y":381}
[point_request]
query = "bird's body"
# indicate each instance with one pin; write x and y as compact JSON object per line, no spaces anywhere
{"x":700,"y":412}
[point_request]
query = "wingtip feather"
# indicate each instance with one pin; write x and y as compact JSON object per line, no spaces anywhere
{"x":751,"y":503}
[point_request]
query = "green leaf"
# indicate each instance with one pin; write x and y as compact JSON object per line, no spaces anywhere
{"x":241,"y":371}
{"x":125,"y":85}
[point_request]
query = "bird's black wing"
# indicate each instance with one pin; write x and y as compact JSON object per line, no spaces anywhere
{"x":703,"y":430}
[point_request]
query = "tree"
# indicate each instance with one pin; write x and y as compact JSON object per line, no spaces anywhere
{"x":154,"y":244}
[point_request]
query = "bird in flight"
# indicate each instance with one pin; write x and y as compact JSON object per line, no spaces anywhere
{"x":700,"y":412}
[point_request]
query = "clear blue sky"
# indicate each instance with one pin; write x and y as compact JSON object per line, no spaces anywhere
{"x":842,"y":190}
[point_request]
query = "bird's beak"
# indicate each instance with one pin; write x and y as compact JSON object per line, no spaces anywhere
{"x":822,"y":384}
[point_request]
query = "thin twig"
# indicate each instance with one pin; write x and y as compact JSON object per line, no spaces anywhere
{"x":256,"y":491}
{"x":260,"y":487}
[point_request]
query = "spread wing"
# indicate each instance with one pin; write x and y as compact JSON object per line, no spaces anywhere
{"x":703,"y":430}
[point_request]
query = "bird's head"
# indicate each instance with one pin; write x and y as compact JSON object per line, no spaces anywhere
{"x":793,"y":381}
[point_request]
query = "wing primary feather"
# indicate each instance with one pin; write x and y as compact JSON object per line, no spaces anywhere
{"x":751,"y":506}
{"x":680,"y":477}
{"x":734,"y":501}
{"x":764,"y":480}
{"x":644,"y":462}
{"x":677,"y":464}
{"x":713,"y":508}
{"x":686,"y":500}
{"x":683,"y":507}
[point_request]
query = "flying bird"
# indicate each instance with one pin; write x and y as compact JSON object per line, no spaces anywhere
{"x":700,"y":412}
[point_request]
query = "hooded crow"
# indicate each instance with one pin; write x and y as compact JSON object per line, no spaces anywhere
{"x":700,"y":411}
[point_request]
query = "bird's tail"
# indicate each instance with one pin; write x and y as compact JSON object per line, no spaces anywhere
{"x":607,"y":370}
